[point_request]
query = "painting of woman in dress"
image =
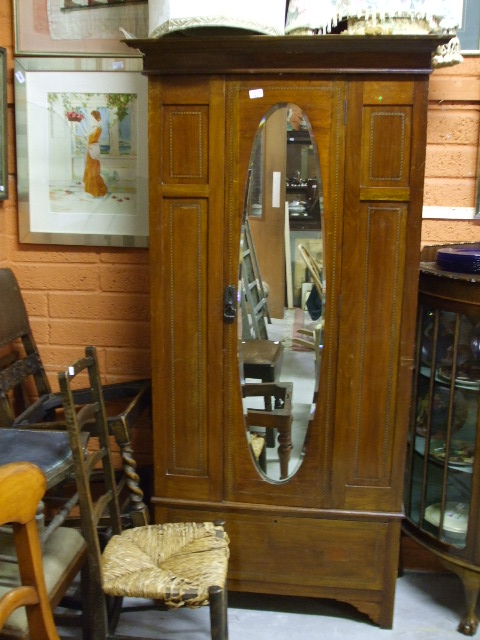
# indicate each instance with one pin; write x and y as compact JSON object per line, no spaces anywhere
{"x":94,"y":183}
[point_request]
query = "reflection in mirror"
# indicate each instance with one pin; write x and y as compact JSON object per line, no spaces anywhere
{"x":281,"y":291}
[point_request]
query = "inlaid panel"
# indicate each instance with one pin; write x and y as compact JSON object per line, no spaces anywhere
{"x":379,"y":304}
{"x":187,"y":345}
{"x":369,"y":352}
{"x":386,"y":155}
{"x":185,"y":144}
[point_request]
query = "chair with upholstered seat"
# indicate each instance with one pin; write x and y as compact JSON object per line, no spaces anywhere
{"x":25,"y":604}
{"x":27,"y":401}
{"x":175,"y":563}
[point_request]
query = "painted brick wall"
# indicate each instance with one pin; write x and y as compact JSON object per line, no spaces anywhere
{"x":77,"y":296}
{"x":452,"y":150}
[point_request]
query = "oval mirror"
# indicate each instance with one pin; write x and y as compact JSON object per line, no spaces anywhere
{"x":281,"y":291}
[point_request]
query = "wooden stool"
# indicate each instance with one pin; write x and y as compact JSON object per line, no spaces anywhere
{"x":261,"y":360}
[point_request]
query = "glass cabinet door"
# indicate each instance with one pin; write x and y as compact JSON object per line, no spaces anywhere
{"x":443,"y":426}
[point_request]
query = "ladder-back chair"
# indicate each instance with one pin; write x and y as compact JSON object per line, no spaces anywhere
{"x":177,"y":563}
{"x":26,"y":398}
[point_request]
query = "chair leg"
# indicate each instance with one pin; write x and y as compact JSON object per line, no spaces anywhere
{"x":93,"y":607}
{"x":114,"y":609}
{"x":218,"y":613}
{"x":138,"y":509}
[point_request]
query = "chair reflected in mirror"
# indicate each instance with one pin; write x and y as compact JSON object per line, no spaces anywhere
{"x":260,"y":422}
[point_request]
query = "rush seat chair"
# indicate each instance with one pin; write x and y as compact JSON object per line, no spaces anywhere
{"x":178,"y":564}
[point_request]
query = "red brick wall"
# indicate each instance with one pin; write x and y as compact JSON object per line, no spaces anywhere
{"x":79,"y":296}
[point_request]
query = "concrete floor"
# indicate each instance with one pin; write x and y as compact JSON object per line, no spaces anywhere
{"x":427,"y":607}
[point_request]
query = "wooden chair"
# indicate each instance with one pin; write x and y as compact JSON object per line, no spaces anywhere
{"x":34,"y":578}
{"x":26,"y":399}
{"x":279,"y":419}
{"x":178,"y":564}
{"x":260,"y":357}
{"x":261,"y":360}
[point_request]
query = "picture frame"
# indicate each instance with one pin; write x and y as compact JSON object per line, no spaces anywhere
{"x":469,"y":31}
{"x":3,"y":126}
{"x":78,"y":28}
{"x":82,"y":151}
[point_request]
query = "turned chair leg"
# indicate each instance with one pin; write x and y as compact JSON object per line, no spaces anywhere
{"x":138,"y":509}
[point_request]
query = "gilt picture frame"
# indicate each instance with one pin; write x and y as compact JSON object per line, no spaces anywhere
{"x":78,"y":27}
{"x":82,"y":151}
{"x":3,"y":126}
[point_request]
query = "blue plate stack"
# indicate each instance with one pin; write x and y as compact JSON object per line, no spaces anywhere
{"x":460,"y":260}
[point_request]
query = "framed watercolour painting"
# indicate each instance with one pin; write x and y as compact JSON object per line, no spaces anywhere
{"x":3,"y":126}
{"x":82,"y":165}
{"x":469,"y":30}
{"x":78,"y":27}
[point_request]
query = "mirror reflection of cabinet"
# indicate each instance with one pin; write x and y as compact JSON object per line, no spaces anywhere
{"x":331,"y":529}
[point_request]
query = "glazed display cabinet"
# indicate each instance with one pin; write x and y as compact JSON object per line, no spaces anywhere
{"x":442,"y":475}
{"x":330,"y":526}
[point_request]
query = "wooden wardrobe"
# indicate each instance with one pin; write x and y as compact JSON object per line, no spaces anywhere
{"x":332,"y":529}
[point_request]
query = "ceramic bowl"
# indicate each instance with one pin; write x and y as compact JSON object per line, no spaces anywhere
{"x":455,"y":519}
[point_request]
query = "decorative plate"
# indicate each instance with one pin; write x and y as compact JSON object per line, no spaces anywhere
{"x":460,"y":260}
{"x":460,"y":454}
{"x":470,"y":379}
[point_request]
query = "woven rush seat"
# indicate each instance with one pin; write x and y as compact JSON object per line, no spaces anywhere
{"x":257,"y":443}
{"x":174,"y":562}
